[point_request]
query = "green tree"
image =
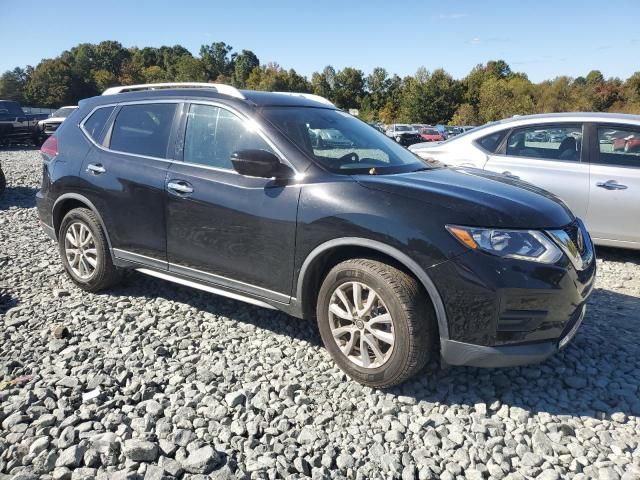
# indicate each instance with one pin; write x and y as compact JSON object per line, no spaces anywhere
{"x":51,"y":84}
{"x":155,"y":74}
{"x":217,"y":59}
{"x":378,"y":83}
{"x":502,"y":98}
{"x":466,"y":114}
{"x":323,"y":83}
{"x":349,"y":88}
{"x":104,"y":79}
{"x":189,"y":69}
{"x":245,"y":62}
{"x":13,"y":84}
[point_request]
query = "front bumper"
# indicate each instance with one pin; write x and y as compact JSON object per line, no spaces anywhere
{"x":503,"y":312}
{"x":460,"y":353}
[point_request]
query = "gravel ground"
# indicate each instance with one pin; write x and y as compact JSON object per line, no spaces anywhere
{"x":153,"y":380}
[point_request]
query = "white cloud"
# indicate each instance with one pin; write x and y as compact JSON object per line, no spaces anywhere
{"x":475,"y":41}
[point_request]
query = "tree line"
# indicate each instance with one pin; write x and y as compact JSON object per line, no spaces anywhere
{"x":491,"y":91}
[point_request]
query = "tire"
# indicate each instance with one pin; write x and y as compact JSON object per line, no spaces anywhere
{"x":3,"y":182}
{"x":412,"y":322}
{"x":104,"y":274}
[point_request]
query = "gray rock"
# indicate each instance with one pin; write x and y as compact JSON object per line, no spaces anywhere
{"x":202,"y":460}
{"x":140,"y":450}
{"x":234,"y":399}
{"x":345,"y":461}
{"x":70,"y":457}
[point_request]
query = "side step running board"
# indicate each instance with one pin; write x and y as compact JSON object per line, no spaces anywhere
{"x":206,"y":288}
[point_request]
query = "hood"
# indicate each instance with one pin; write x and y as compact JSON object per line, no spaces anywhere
{"x":477,"y":198}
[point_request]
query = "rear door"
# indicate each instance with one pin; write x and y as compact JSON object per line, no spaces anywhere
{"x":124,"y":176}
{"x":614,"y":206}
{"x":550,"y":157}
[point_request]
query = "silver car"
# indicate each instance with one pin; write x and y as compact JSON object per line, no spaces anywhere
{"x":590,"y":160}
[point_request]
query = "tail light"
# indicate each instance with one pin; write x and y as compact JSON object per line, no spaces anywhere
{"x":50,"y":147}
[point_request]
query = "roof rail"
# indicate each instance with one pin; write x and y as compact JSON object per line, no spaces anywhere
{"x":218,"y":87}
{"x":310,"y":96}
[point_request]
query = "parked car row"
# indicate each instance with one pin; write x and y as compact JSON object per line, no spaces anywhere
{"x":409,"y":134}
{"x":16,"y":126}
{"x":590,"y":160}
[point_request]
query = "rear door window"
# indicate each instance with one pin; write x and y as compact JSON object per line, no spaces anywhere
{"x":619,"y":145}
{"x":551,"y":142}
{"x":491,"y":142}
{"x":143,"y":129}
{"x":94,"y":125}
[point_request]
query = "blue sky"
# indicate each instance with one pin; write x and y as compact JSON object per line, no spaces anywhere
{"x":543,"y":38}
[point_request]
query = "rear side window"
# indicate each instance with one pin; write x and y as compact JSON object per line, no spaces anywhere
{"x":94,"y":125}
{"x":214,"y":133}
{"x":550,"y":142}
{"x":490,"y":142}
{"x":619,"y":145}
{"x":143,"y":129}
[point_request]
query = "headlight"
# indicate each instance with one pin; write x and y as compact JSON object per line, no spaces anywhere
{"x":520,"y":244}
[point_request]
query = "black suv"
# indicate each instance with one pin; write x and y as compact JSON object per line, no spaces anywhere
{"x":224,"y":190}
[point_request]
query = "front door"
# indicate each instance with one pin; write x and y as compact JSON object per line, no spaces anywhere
{"x":550,"y":157}
{"x":222,"y":227}
{"x":614,"y":206}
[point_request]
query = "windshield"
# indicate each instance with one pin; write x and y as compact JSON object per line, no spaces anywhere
{"x":342,"y":143}
{"x":403,"y":128}
{"x":429,"y":131}
{"x":62,"y":112}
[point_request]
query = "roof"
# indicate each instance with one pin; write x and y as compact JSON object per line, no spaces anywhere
{"x":578,"y":116}
{"x":201,"y":91}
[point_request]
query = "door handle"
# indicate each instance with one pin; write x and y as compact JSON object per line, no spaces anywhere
{"x":611,"y":185}
{"x":96,"y":168}
{"x":180,"y":186}
{"x":507,"y":173}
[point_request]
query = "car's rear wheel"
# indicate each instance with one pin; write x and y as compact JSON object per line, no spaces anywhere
{"x":375,"y":321}
{"x":85,"y":252}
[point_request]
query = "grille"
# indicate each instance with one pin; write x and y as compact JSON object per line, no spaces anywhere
{"x":572,"y":230}
{"x":575,"y":242}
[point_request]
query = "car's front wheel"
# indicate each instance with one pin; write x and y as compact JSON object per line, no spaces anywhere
{"x":375,"y":321}
{"x":85,"y":252}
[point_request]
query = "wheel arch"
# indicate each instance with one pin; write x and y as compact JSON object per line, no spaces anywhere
{"x":67,"y":202}
{"x":339,"y":248}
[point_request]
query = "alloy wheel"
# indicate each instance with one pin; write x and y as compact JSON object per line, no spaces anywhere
{"x":80,"y":249}
{"x":361,"y":325}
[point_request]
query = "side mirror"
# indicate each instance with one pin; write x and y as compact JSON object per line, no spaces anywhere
{"x":259,"y":163}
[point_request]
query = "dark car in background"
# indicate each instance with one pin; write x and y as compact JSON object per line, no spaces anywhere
{"x":48,"y":126}
{"x":396,"y":258}
{"x":18,"y":127}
